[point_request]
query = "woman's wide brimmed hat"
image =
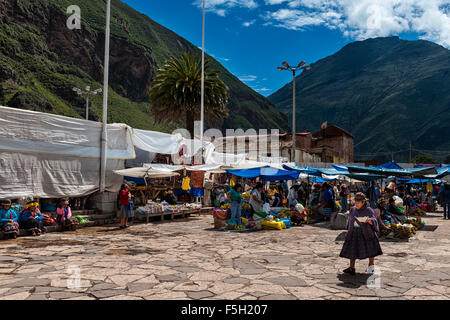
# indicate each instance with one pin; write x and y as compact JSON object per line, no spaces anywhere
{"x":6,"y":202}
{"x":31,"y":203}
{"x":360,"y":197}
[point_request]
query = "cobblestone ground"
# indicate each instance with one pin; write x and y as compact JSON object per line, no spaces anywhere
{"x":188,"y":259}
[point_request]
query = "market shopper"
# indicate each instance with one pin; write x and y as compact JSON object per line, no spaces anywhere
{"x":234,"y":194}
{"x":361,"y":241}
{"x":9,"y":220}
{"x":445,"y":200}
{"x":31,"y":218}
{"x":126,"y":205}
{"x":328,"y":201}
{"x":373,"y":194}
{"x":344,"y":195}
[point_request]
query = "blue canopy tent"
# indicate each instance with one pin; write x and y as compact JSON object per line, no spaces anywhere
{"x":390,"y":165}
{"x":420,"y":181}
{"x":266,"y":173}
{"x":393,"y":172}
{"x":304,"y":170}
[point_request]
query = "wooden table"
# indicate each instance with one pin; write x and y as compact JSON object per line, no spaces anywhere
{"x":172,"y":215}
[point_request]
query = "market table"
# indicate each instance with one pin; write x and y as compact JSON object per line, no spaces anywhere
{"x":171,"y":214}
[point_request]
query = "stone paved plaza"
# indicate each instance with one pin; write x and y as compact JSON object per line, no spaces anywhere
{"x":188,"y":259}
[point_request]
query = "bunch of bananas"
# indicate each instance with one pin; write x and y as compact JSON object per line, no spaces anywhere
{"x":246,"y":196}
{"x":225,"y":206}
{"x":403,"y":231}
{"x":417,"y":212}
{"x":417,"y":223}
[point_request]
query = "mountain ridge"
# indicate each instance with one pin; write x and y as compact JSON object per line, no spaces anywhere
{"x":398,"y":89}
{"x":41,"y":60}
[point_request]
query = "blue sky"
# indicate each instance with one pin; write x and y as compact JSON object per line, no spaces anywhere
{"x":252,"y":37}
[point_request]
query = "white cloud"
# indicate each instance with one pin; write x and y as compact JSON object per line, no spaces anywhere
{"x":361,"y":19}
{"x":263,"y":90}
{"x":248,"y":78}
{"x":248,"y":23}
{"x":221,"y":7}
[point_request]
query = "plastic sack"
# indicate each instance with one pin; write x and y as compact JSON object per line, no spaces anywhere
{"x":287,"y":222}
{"x":266,"y":207}
{"x":398,"y":201}
{"x":273,"y":225}
{"x":261,"y":214}
{"x":299,"y":207}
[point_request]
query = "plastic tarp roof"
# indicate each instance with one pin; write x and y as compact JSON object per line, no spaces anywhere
{"x":34,"y":132}
{"x":164,"y":143}
{"x":171,"y":168}
{"x":303,"y":170}
{"x":418,"y":181}
{"x":390,"y":165}
{"x":52,"y":156}
{"x":141,"y":172}
{"x":393,"y":172}
{"x":266,"y":173}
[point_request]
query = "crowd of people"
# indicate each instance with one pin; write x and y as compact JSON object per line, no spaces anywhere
{"x":334,"y":196}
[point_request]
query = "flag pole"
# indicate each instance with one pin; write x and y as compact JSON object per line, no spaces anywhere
{"x":105,"y":99}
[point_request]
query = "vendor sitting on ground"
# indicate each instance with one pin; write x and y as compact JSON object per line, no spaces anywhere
{"x":64,"y":215}
{"x":31,"y":219}
{"x":169,"y":197}
{"x":9,"y":220}
{"x":393,"y":209}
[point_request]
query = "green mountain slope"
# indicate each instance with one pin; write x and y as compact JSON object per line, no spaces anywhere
{"x":385,"y":91}
{"x":41,"y":60}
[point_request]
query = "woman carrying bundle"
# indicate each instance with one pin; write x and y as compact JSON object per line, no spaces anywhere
{"x":361,"y":241}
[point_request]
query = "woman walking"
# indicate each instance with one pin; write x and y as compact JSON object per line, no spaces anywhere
{"x":361,"y":241}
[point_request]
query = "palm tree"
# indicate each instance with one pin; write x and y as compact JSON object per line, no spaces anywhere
{"x":175,"y":93}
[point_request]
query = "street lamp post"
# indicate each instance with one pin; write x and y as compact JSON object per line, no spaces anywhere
{"x":286,"y":66}
{"x":202,"y":102}
{"x":87,"y":93}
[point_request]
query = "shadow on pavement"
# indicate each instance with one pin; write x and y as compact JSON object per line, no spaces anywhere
{"x":354,"y":282}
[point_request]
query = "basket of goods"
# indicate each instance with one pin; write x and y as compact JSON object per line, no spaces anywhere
{"x":226,"y":206}
{"x":417,"y":223}
{"x":418,"y":212}
{"x":402,"y":231}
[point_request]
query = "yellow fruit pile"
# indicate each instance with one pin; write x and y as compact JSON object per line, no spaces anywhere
{"x":403,"y":231}
{"x":246,"y":196}
{"x":417,"y":212}
{"x":417,"y":223}
{"x":225,"y":206}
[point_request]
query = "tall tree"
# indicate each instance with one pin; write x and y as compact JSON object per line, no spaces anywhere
{"x":175,"y":93}
{"x":423,"y":159}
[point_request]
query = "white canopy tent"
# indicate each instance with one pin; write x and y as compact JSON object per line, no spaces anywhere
{"x":51,"y":156}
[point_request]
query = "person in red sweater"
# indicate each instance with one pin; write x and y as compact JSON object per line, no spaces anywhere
{"x":126,"y":205}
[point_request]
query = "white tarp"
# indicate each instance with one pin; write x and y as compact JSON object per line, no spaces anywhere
{"x":225,"y":159}
{"x":51,"y":156}
{"x":44,"y":133}
{"x":141,"y":172}
{"x":164,"y":143}
{"x":171,"y":168}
